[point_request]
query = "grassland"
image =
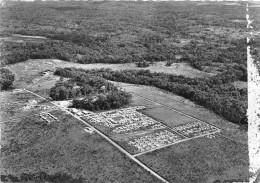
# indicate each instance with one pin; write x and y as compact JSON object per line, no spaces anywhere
{"x":201,"y":160}
{"x":12,"y":104}
{"x":167,"y":116}
{"x":62,"y":149}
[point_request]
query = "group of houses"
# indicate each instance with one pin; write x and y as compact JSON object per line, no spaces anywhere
{"x":48,"y":117}
{"x":35,"y":104}
{"x":133,"y":125}
{"x":31,"y":104}
{"x":89,"y":130}
{"x":46,"y":107}
{"x":155,"y":140}
{"x":195,"y":129}
{"x":80,"y":112}
{"x":124,"y":120}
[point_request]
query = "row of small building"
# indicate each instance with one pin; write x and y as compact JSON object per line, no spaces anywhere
{"x":154,"y":140}
{"x":48,"y":117}
{"x":195,"y":129}
{"x":79,"y":112}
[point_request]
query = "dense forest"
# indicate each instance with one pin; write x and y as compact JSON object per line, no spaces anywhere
{"x":41,"y":177}
{"x":88,"y":91}
{"x":215,"y":93}
{"x":6,"y":79}
{"x":91,"y":32}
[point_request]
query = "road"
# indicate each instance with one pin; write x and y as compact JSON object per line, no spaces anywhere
{"x":109,"y":140}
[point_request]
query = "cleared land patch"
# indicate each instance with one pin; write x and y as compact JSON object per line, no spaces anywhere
{"x":26,"y":72}
{"x":167,"y":116}
{"x":14,"y":104}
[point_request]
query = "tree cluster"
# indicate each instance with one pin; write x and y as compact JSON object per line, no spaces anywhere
{"x":142,"y":64}
{"x":89,"y":92}
{"x":6,"y":79}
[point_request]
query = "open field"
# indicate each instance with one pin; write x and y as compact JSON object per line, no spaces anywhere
{"x":13,"y":104}
{"x":201,"y":160}
{"x":240,"y":84}
{"x":29,"y":146}
{"x":167,"y":116}
{"x":25,"y":72}
{"x":22,"y":38}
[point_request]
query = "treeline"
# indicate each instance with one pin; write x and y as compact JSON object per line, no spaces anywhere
{"x":215,"y":93}
{"x":112,"y":100}
{"x":89,"y":92}
{"x":6,"y":79}
{"x":41,"y":177}
{"x":19,"y":52}
{"x":68,"y":51}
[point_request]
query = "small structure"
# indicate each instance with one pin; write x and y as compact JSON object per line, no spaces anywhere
{"x":48,"y":117}
{"x":89,"y":130}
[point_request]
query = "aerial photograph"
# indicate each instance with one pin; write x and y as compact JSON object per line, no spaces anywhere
{"x":107,"y":91}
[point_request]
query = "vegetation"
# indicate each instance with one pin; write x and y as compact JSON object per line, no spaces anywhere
{"x":142,"y":64}
{"x":61,"y":152}
{"x":6,"y":80}
{"x":40,"y":177}
{"x":97,"y":93}
{"x":108,"y":32}
{"x":215,"y":93}
{"x":216,"y":160}
{"x":170,"y":62}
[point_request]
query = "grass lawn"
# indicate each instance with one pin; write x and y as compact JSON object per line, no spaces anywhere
{"x":12,"y":103}
{"x":167,"y":116}
{"x":201,"y":160}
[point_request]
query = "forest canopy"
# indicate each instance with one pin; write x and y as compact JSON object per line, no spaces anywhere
{"x":107,"y":32}
{"x":88,"y":91}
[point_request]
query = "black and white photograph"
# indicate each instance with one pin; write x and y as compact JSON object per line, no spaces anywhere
{"x":130,"y":91}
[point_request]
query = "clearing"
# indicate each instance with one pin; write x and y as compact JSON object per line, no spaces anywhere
{"x":31,"y":69}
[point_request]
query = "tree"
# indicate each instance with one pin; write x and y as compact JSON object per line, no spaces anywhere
{"x":6,"y":79}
